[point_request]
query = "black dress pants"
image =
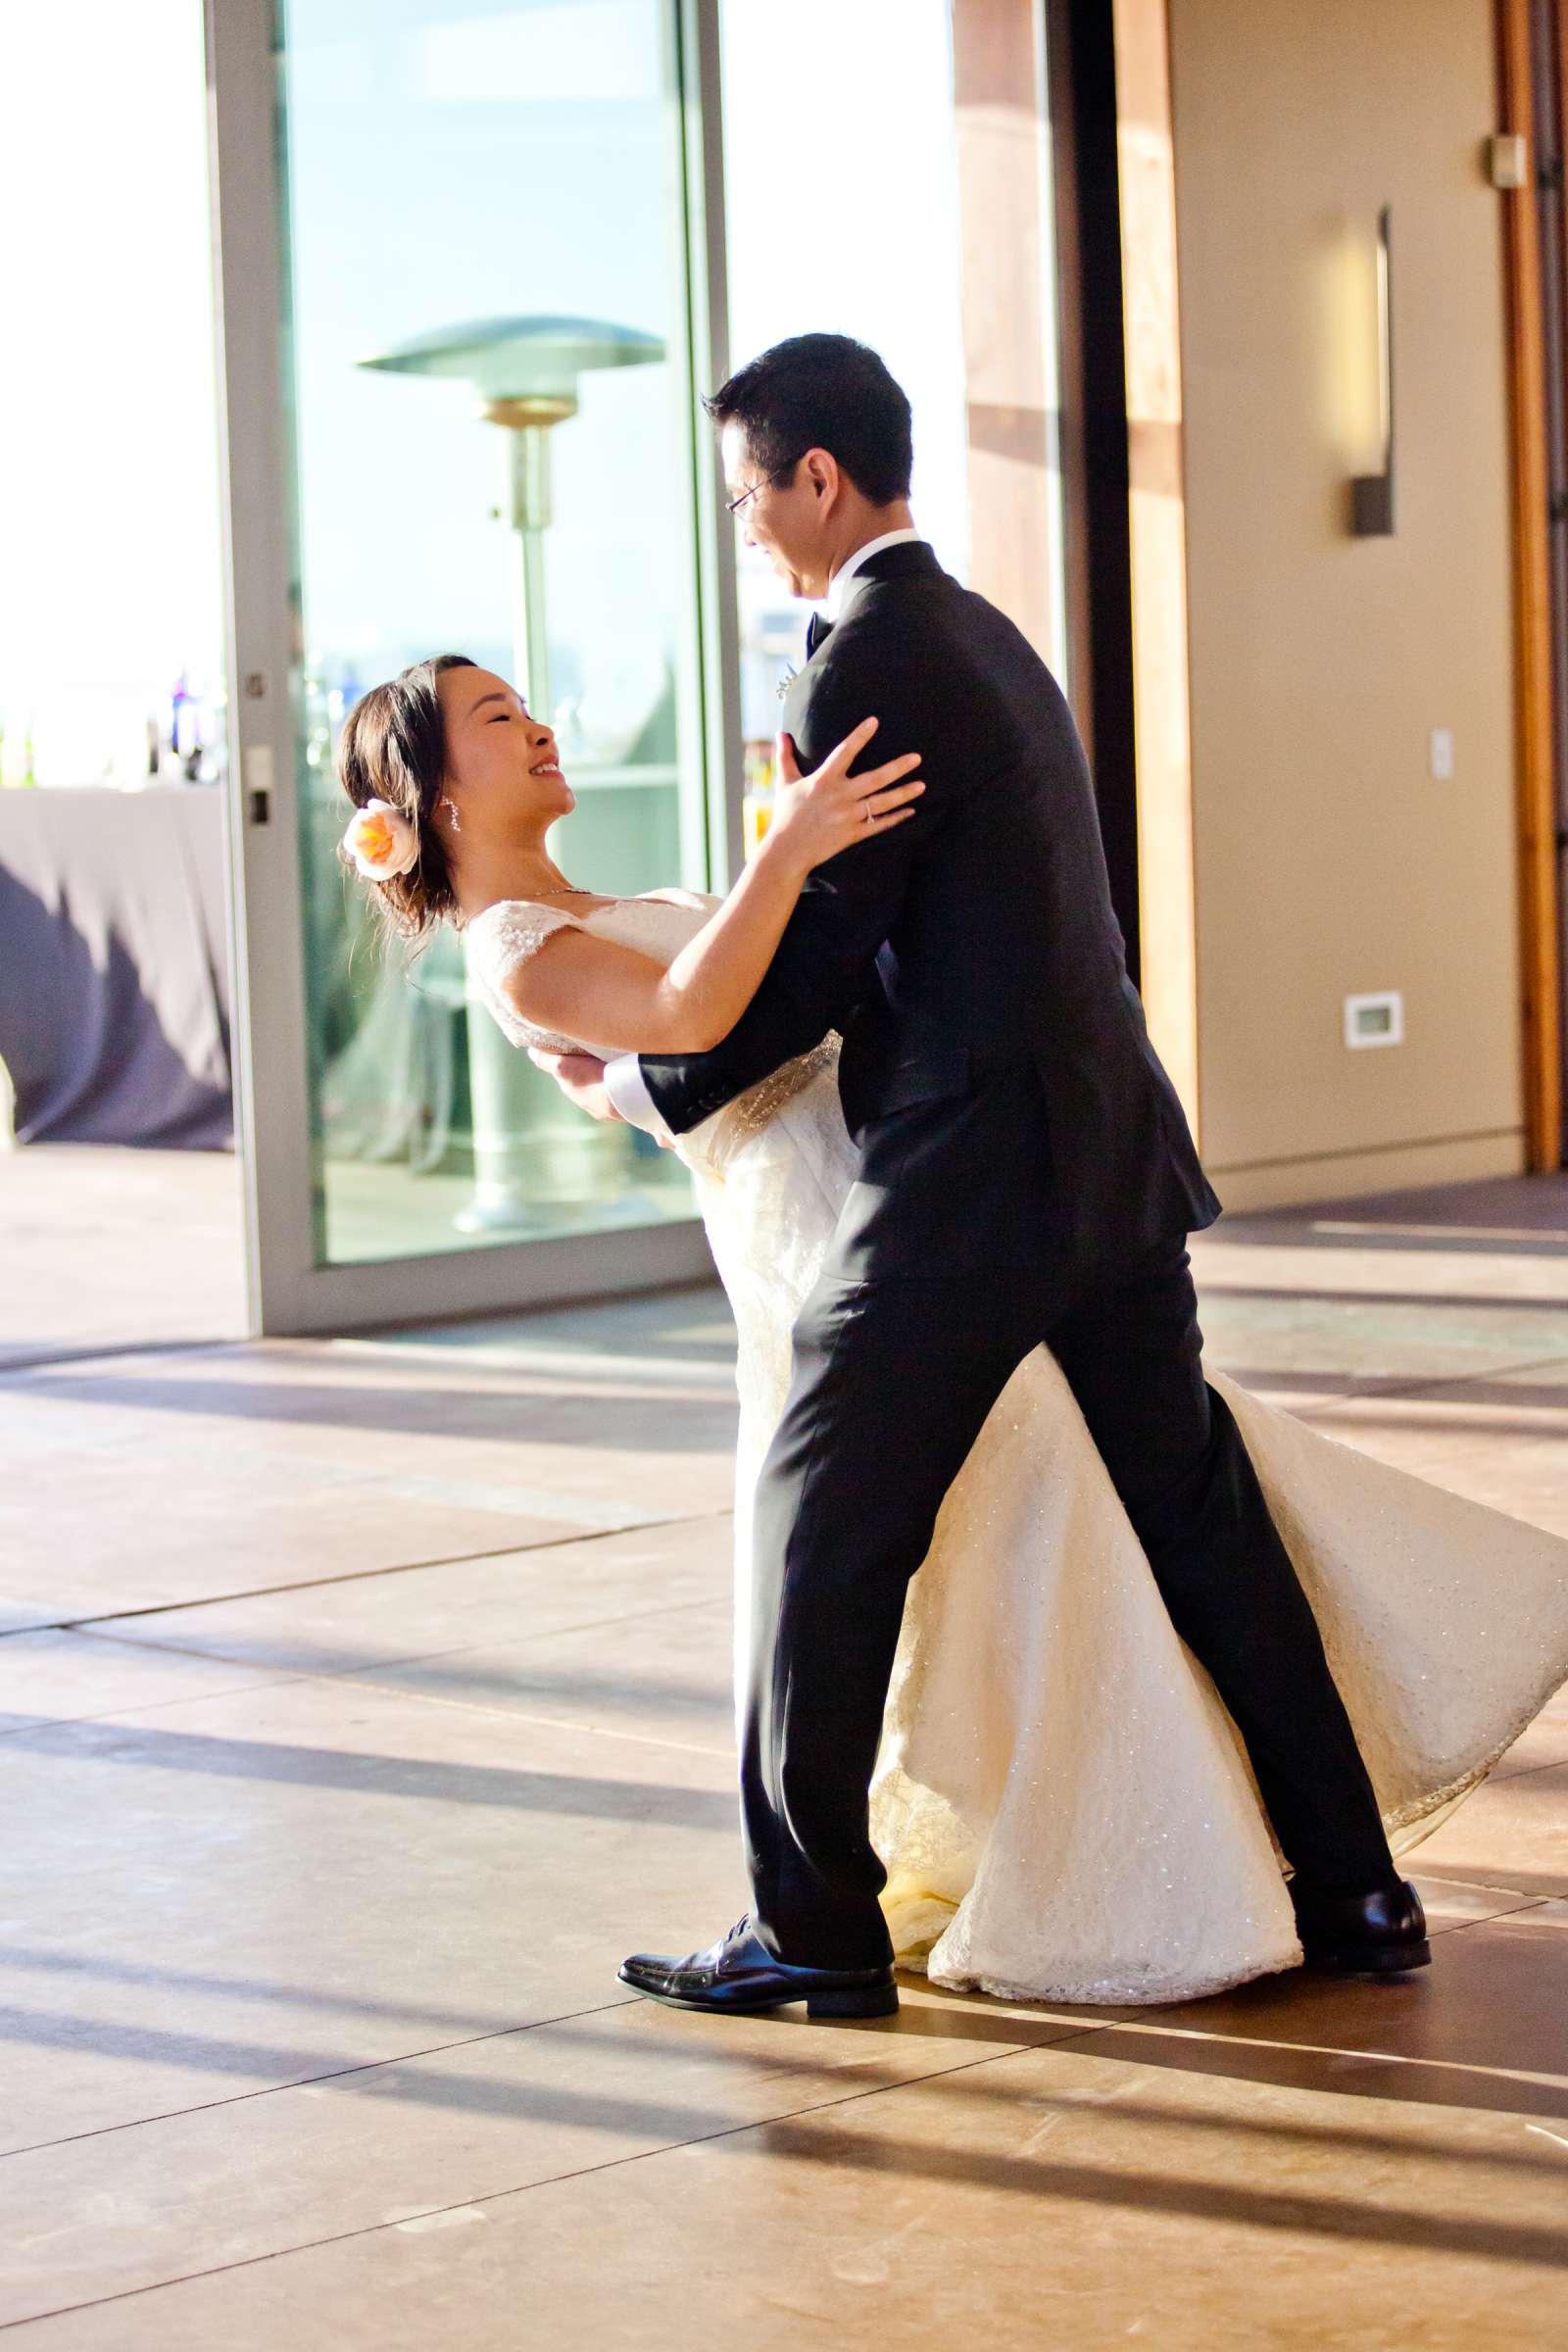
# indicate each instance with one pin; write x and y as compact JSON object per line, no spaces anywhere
{"x":893,"y":1382}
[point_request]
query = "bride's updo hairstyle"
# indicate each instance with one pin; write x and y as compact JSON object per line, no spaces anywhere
{"x":393,"y":750}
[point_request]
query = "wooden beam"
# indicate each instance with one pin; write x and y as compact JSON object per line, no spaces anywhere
{"x":1072,"y":385}
{"x":1092,"y":429}
{"x":1539,"y":913}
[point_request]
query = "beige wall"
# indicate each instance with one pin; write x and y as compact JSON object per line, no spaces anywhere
{"x":1327,"y":861}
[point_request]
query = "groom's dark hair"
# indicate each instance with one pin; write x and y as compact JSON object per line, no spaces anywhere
{"x":822,"y":392}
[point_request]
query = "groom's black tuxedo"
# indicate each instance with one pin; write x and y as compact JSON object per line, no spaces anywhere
{"x":997,"y":1073}
{"x":1026,"y":1176}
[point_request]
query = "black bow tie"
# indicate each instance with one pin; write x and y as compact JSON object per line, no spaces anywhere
{"x":816,"y":628}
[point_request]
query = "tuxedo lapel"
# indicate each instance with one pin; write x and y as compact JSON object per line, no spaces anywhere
{"x":795,"y":695}
{"x":912,"y":561}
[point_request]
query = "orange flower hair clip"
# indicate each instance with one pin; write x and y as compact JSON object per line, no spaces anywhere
{"x":381,"y":842}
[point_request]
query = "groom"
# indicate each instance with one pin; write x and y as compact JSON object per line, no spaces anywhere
{"x":1026,"y":1175}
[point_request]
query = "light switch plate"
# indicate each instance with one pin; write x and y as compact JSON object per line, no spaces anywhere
{"x":1440,"y":760}
{"x":1375,"y":1020}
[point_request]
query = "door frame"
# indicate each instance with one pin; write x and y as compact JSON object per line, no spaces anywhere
{"x":289,"y":1291}
{"x":1097,"y":487}
{"x":1125,"y":516}
{"x":1539,"y":909}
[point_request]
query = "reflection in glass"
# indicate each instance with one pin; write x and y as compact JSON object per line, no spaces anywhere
{"x":485,"y":225}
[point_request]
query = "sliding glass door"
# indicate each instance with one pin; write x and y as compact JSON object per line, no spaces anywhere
{"x":464,"y":271}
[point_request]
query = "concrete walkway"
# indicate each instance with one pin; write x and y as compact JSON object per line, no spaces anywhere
{"x":364,"y":1701}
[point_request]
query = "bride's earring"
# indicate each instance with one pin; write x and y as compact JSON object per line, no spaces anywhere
{"x":451,"y":819}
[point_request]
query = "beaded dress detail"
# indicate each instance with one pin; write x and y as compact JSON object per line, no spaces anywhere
{"x":1061,"y":1803}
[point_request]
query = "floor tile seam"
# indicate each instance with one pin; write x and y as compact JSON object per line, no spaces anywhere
{"x":512,"y":1381}
{"x":846,"y":2097}
{"x":370,"y":2066}
{"x":1526,"y":1901}
{"x":1529,"y":1903}
{"x":414,"y":1657}
{"x":1411,"y":1256}
{"x":412,"y":1344}
{"x":115,"y":1349}
{"x":336,"y":2074}
{"x":1406,"y":1259}
{"x":1522,"y":1772}
{"x":1353,"y":1237}
{"x":359,"y":1576}
{"x":1505,"y":1370}
{"x":128,"y":1718}
{"x":1434,"y":1872}
{"x":522,"y":2188}
{"x":528,"y":1379}
{"x":1442,"y":1441}
{"x":586,"y":1365}
{"x":269,"y":1679}
{"x":1529,"y":1363}
{"x":1405,"y":1281}
{"x":1329,"y":2049}
{"x":281,"y":1676}
{"x":1379,"y":1389}
{"x":284,"y":1678}
{"x":1474,"y":1252}
{"x":497,"y":1713}
{"x":1252,"y":1282}
{"x":1325,"y":1411}
{"x":582,"y":1379}
{"x":1430,"y":1386}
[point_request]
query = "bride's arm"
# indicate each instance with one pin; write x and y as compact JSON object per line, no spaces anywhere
{"x":578,"y":985}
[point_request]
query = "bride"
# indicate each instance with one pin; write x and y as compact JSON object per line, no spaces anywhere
{"x":1064,"y":1807}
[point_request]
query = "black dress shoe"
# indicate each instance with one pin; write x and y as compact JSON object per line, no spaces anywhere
{"x":1361,"y":1935}
{"x":739,"y":1975}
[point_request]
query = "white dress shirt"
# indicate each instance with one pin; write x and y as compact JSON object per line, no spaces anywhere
{"x":838,"y":586}
{"x":624,"y":1082}
{"x":628,"y":1093}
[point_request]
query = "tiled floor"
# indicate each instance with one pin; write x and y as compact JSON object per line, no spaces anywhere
{"x":366,"y":1699}
{"x":101,"y":1248}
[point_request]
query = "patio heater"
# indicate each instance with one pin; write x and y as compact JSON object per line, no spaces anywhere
{"x":531,"y":1150}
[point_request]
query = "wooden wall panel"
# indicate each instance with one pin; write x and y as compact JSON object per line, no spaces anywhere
{"x":1537,"y":796}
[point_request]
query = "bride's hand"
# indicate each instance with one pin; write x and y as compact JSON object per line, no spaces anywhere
{"x":815,"y":816}
{"x":580,"y":1078}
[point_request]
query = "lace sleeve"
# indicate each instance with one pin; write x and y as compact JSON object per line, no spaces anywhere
{"x":497,"y":941}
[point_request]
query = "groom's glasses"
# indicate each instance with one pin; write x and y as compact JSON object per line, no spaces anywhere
{"x":746,"y":497}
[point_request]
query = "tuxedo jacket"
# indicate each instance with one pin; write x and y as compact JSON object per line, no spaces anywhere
{"x":997,"y":1075}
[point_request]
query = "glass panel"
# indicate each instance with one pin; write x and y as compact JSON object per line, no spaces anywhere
{"x":120,"y":1194}
{"x":899,"y":191}
{"x":111,"y":610}
{"x":457,"y":180}
{"x":867,"y":245}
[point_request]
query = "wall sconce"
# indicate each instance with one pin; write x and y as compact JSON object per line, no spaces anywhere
{"x":1372,"y":494}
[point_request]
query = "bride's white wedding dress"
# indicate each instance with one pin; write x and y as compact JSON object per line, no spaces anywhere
{"x":1062,"y":1803}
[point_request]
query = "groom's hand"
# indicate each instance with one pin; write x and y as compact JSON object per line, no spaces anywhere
{"x":581,"y":1079}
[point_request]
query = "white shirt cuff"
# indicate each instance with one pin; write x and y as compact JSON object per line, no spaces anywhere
{"x":627,"y":1089}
